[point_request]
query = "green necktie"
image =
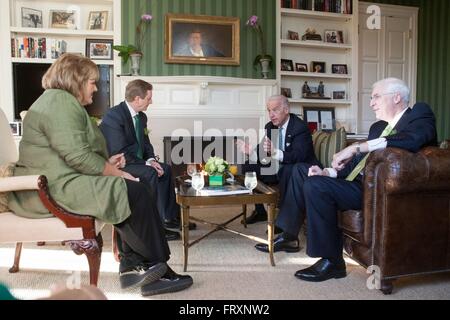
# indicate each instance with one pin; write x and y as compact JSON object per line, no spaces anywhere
{"x":137,"y":129}
{"x":280,"y":139}
{"x":362,"y":163}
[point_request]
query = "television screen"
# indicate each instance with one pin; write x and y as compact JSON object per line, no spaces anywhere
{"x":28,"y":87}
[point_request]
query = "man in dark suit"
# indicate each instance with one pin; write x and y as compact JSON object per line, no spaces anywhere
{"x":322,"y":193}
{"x":287,"y":141}
{"x":125,"y":129}
{"x":196,"y":48}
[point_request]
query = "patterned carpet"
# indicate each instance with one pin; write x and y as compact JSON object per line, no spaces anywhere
{"x":224,"y":266}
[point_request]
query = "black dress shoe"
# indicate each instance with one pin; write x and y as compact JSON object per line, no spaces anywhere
{"x":276,"y":230}
{"x":256,"y":216}
{"x":280,"y":244}
{"x":170,"y":282}
{"x":176,"y":224}
{"x":172,"y":235}
{"x":323,"y":270}
{"x":142,"y":274}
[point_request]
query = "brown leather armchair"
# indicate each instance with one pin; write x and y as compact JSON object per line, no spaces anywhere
{"x":404,"y":225}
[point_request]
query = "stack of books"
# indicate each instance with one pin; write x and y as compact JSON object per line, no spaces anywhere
{"x":224,"y":190}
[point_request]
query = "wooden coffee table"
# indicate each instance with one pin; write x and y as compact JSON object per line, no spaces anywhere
{"x":187,"y":197}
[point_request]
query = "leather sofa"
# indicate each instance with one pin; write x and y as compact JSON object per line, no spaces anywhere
{"x":404,"y":226}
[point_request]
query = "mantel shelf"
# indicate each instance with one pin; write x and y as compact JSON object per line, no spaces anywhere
{"x":315,"y":44}
{"x":63,"y":32}
{"x":315,"y":14}
{"x":315,"y":75}
{"x":320,"y":102}
{"x":50,"y":61}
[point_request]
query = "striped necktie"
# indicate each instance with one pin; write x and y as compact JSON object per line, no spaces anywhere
{"x":362,"y":163}
{"x":280,"y":139}
{"x":137,"y":129}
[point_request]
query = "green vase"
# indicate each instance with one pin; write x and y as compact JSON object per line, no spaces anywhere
{"x":216,"y":180}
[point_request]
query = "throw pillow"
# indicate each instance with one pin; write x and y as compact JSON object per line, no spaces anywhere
{"x":326,"y":144}
{"x":6,"y":170}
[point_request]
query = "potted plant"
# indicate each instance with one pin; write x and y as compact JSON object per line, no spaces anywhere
{"x":216,"y":167}
{"x":263,"y":59}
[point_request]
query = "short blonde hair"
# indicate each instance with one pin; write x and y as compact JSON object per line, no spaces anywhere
{"x":70,"y":72}
{"x":137,"y":88}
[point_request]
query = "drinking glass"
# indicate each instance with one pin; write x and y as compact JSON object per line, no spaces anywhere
{"x":250,"y":180}
{"x":197,"y":181}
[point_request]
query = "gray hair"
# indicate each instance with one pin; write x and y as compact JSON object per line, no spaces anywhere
{"x":394,"y":85}
{"x":284,"y":102}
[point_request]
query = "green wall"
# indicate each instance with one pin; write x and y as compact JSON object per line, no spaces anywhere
{"x":433,"y":70}
{"x":153,"y":61}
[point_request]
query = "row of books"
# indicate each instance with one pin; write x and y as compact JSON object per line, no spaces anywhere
{"x":42,"y":48}
{"x":336,"y":6}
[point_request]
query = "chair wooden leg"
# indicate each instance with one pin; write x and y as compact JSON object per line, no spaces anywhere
{"x":115,"y":249}
{"x":92,"y":248}
{"x":15,"y":267}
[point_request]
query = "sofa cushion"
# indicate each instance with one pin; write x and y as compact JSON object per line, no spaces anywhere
{"x":326,"y":144}
{"x":6,"y":170}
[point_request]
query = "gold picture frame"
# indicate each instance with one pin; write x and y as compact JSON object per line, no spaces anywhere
{"x":200,"y":39}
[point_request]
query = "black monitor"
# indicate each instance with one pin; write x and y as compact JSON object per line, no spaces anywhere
{"x":28,"y":87}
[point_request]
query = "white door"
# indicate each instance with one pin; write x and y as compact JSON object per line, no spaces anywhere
{"x":390,"y":51}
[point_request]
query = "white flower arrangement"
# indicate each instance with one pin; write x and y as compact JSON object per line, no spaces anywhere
{"x":216,"y":166}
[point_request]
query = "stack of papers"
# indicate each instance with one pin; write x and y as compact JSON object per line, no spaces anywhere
{"x":225,"y":190}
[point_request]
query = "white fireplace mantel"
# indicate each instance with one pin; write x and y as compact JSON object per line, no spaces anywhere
{"x":215,"y":102}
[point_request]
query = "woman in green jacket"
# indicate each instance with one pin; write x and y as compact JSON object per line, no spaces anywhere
{"x":60,"y":141}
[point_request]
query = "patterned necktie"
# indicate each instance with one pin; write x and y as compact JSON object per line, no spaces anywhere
{"x":280,"y":139}
{"x":362,"y":163}
{"x":137,"y":129}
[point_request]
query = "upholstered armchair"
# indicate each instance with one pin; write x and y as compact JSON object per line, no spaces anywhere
{"x":80,"y":232}
{"x":404,"y":225}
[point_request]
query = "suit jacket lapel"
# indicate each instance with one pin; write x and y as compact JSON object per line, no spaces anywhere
{"x":403,"y":122}
{"x":129,"y":124}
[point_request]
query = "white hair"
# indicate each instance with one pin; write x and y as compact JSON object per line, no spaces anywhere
{"x":284,"y":102}
{"x":394,"y":85}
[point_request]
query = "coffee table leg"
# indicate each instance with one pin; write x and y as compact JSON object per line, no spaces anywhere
{"x":185,"y":234}
{"x":270,"y":219}
{"x":244,"y":216}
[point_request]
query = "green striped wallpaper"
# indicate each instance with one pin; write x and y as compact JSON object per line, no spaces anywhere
{"x":433,"y":70}
{"x":153,"y":62}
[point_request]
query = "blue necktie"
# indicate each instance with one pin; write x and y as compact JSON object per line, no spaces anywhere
{"x":280,"y":139}
{"x":137,"y":129}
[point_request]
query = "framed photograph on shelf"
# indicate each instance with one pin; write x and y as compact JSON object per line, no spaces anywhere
{"x":31,"y":18}
{"x":318,"y":66}
{"x":200,"y":39}
{"x":286,"y":92}
{"x":338,"y":95}
{"x":16,"y":128}
{"x":287,"y":65}
{"x":339,"y":68}
{"x":292,"y":35}
{"x":319,"y":118}
{"x":62,"y":19}
{"x":334,"y":36}
{"x":301,"y":67}
{"x":97,"y":20}
{"x":99,"y":49}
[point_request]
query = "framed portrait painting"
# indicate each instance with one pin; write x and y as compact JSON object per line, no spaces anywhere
{"x":97,"y":20}
{"x":200,"y":39}
{"x":31,"y":18}
{"x":99,"y":49}
{"x":62,"y":19}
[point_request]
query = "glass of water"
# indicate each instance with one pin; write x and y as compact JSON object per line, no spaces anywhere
{"x":250,"y":180}
{"x":197,"y":181}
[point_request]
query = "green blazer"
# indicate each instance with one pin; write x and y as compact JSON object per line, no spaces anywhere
{"x":61,"y":142}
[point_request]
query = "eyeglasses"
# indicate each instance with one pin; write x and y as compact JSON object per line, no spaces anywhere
{"x":378,"y":96}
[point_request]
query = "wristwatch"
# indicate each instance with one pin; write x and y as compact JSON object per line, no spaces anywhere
{"x":358,"y":149}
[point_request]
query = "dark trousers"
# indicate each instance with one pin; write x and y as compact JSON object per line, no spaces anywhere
{"x":320,"y":198}
{"x":162,"y":186}
{"x":281,"y":178}
{"x":141,"y":237}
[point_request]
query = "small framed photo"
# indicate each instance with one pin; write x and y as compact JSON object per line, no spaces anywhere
{"x":318,"y":66}
{"x":319,"y":118}
{"x":99,"y":49}
{"x":301,"y":67}
{"x":292,"y":35}
{"x":286,"y":92}
{"x":62,"y":19}
{"x":98,"y":20}
{"x":16,"y":128}
{"x":287,"y":65}
{"x":339,"y":68}
{"x":334,"y":36}
{"x":31,"y":18}
{"x":338,"y":95}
